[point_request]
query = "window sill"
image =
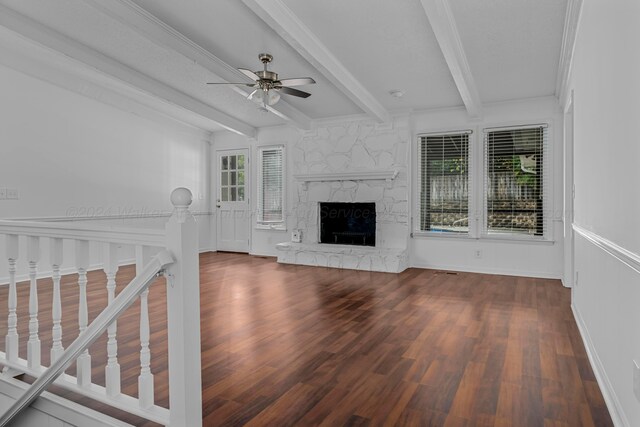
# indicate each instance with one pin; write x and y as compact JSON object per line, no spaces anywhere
{"x":517,"y":239}
{"x":489,"y":238}
{"x":439,"y":235}
{"x":275,"y":227}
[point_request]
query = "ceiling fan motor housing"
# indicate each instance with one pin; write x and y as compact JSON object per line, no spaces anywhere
{"x":267,"y":78}
{"x":267,"y":75}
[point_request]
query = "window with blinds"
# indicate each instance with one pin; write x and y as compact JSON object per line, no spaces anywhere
{"x":444,"y":183}
{"x":514,"y":180}
{"x":270,"y":186}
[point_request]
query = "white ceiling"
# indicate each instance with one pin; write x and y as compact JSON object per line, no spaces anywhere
{"x":512,"y":48}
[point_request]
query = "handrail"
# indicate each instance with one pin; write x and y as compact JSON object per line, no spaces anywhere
{"x":91,"y":334}
{"x":91,"y":232}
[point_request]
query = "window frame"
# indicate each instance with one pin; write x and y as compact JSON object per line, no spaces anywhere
{"x":260,"y":223}
{"x":547,"y":188}
{"x":477,"y":203}
{"x":417,"y":214}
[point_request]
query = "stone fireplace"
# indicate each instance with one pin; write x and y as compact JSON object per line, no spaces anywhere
{"x":353,"y":164}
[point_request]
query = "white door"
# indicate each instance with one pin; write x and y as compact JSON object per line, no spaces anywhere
{"x":233,"y":215}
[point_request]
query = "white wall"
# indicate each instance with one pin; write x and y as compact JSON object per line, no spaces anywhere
{"x":539,"y":259}
{"x":263,"y":242}
{"x":71,"y":156}
{"x":522,"y":258}
{"x":606,"y":87}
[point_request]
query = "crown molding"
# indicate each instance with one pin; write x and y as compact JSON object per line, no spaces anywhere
{"x":288,"y":26}
{"x":571,"y":23}
{"x":149,"y":26}
{"x":53,"y":40}
{"x":444,"y":26}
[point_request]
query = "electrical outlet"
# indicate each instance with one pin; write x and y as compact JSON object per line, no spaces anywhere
{"x":636,"y":380}
{"x":478,"y":253}
{"x":12,"y":194}
{"x":575,"y":281}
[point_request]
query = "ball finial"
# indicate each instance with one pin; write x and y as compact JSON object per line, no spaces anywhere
{"x":181,"y":197}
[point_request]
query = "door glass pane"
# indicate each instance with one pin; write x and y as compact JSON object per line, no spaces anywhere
{"x":225,"y":163}
{"x":240,"y":177}
{"x":241,"y":194}
{"x":233,"y":177}
{"x":233,"y":194}
{"x":225,"y":194}
{"x":232,"y":162}
{"x":225,"y":178}
{"x":241,"y":161}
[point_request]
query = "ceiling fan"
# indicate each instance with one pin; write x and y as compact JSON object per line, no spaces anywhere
{"x":268,"y":86}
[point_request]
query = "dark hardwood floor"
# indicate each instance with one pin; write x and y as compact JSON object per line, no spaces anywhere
{"x":301,"y":346}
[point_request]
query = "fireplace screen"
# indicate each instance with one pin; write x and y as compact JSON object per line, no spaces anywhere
{"x":348,"y":223}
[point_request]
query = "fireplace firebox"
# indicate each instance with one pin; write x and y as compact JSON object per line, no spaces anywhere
{"x":348,"y":223}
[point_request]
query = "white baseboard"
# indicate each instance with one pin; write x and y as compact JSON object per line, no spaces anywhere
{"x":608,"y":393}
{"x":483,"y":270}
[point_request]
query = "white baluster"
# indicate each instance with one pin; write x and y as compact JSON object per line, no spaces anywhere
{"x":145,"y":380}
{"x":56,"y":331}
{"x":83,"y":362}
{"x":112,"y":371}
{"x":33,"y":345}
{"x":11,"y":341}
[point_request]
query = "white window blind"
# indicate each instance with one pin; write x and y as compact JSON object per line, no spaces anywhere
{"x":514,"y":191}
{"x":444,"y":182}
{"x":270,"y":186}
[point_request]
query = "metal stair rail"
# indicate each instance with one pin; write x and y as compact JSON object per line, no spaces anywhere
{"x":127,"y":297}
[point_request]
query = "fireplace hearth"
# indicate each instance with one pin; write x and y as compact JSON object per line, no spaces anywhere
{"x":348,"y":223}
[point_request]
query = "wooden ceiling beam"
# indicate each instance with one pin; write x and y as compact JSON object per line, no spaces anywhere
{"x":444,"y":26}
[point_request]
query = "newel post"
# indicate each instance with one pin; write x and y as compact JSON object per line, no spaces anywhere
{"x":183,"y":312}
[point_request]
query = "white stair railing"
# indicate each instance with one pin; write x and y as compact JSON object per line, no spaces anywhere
{"x":180,"y":239}
{"x":90,"y":334}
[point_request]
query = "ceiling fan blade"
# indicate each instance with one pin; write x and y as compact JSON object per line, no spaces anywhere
{"x":299,"y":81}
{"x":240,"y":84}
{"x":249,"y":73}
{"x":294,"y":92}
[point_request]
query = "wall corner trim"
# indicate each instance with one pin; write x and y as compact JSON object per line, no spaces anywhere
{"x":571,"y":22}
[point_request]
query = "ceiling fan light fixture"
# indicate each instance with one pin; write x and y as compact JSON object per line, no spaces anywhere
{"x":272,"y":97}
{"x":256,"y":96}
{"x":264,"y":97}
